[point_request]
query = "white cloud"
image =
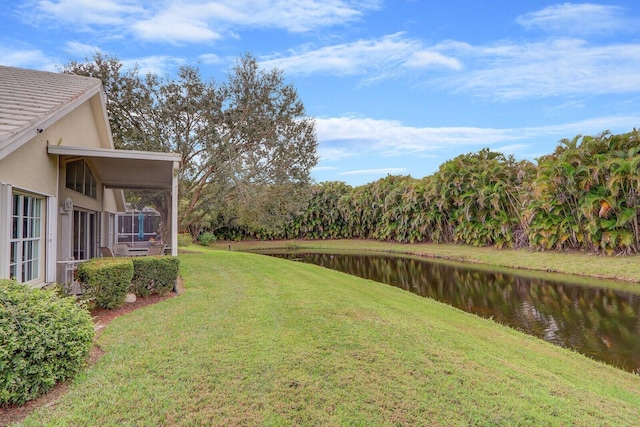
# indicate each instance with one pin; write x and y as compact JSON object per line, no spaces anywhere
{"x":349,"y":137}
{"x":210,"y":58}
{"x":591,"y":126}
{"x":324,"y":168}
{"x":26,"y":57}
{"x":180,"y":22}
{"x":332,"y":153}
{"x":304,"y":15}
{"x":82,"y":50}
{"x":426,"y":59}
{"x":376,"y":59}
{"x":391,"y":137}
{"x":84,"y":13}
{"x":160,"y":65}
{"x":578,"y":19}
{"x":543,"y":69}
{"x":194,"y":21}
{"x":503,"y":70}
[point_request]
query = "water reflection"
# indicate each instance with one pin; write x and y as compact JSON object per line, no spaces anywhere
{"x":600,"y":323}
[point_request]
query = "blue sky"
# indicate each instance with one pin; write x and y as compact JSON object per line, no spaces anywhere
{"x":396,"y":86}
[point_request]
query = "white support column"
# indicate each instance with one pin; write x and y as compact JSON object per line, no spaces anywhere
{"x":174,"y":209}
{"x":5,"y":229}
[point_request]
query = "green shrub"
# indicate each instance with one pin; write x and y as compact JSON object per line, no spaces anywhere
{"x":143,"y":274}
{"x":106,"y":280}
{"x":154,"y":274}
{"x":206,"y":238}
{"x":184,"y":239}
{"x":45,"y":338}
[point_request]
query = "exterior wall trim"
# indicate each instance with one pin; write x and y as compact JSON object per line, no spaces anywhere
{"x":5,"y":228}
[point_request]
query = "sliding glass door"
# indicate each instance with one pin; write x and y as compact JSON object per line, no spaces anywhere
{"x":84,"y":234}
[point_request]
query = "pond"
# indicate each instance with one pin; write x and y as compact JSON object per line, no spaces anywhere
{"x":601,"y":323}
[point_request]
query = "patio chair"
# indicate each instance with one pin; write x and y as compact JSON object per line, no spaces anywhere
{"x":156,"y":249}
{"x":106,"y":252}
{"x":121,"y":249}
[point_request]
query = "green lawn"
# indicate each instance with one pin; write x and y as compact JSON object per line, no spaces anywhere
{"x":257,"y":340}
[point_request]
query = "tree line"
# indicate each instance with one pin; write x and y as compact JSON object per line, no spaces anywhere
{"x":583,"y":196}
{"x":248,"y":148}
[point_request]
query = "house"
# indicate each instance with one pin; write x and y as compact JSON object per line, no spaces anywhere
{"x":61,"y":179}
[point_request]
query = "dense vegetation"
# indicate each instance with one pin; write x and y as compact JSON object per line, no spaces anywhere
{"x":583,"y":196}
{"x":44,"y":339}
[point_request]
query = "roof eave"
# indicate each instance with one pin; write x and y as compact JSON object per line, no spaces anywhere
{"x":28,"y":133}
{"x":66,"y":150}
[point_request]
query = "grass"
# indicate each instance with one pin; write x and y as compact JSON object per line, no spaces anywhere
{"x":257,"y":340}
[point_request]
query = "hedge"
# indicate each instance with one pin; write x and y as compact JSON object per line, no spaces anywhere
{"x":154,"y":274}
{"x":45,"y":339}
{"x":106,"y":280}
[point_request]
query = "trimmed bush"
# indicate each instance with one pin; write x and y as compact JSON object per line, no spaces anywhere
{"x":154,"y":274}
{"x":206,"y":238}
{"x":106,"y":280}
{"x":184,"y":239}
{"x":45,"y":338}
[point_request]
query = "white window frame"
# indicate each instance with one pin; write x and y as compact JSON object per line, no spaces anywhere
{"x":27,"y":237}
{"x":5,"y":228}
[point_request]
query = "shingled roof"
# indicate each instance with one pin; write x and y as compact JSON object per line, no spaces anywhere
{"x":31,"y":100}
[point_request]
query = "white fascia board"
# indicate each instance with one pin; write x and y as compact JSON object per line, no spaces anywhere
{"x":65,"y":150}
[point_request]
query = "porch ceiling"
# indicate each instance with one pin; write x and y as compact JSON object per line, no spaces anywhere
{"x":126,"y":169}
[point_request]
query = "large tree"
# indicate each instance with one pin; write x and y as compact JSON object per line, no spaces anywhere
{"x":246,"y":144}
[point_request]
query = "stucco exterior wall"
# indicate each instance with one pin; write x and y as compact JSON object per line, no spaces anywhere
{"x":30,"y":168}
{"x":109,"y":203}
{"x":78,"y":129}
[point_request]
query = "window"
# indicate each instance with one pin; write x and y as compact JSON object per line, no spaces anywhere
{"x":80,"y":178}
{"x":26,"y":238}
